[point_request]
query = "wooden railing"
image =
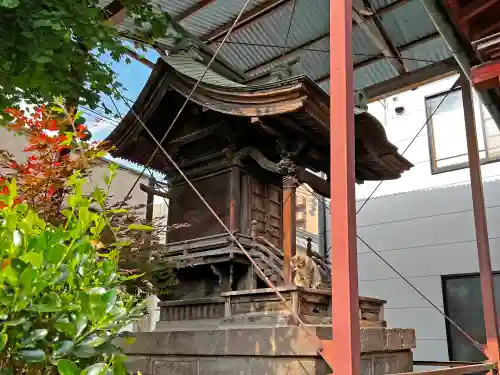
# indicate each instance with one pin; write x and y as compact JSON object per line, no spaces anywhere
{"x":312,"y":305}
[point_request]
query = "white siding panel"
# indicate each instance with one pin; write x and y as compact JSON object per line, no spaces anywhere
{"x":399,"y":295}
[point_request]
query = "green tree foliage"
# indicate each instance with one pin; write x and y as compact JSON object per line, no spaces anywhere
{"x":62,"y":302}
{"x":44,"y":46}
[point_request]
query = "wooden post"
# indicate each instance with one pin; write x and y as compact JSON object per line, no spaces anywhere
{"x":289,"y":226}
{"x":344,"y":351}
{"x":150,"y":201}
{"x":234,"y":200}
{"x":483,"y":247}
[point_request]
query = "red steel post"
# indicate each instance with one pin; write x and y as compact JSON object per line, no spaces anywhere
{"x":483,"y":247}
{"x":343,"y":352}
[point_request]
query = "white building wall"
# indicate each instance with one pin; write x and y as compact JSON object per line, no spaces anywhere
{"x":120,"y":187}
{"x":422,"y":224}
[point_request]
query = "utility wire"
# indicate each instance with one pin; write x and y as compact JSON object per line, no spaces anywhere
{"x":187,"y":99}
{"x":289,"y":28}
{"x":310,"y":49}
{"x":312,"y":336}
{"x":451,"y":321}
{"x":412,"y":141}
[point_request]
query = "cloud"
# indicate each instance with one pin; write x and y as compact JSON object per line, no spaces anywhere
{"x":100,"y":128}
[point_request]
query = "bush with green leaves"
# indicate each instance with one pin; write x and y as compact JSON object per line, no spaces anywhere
{"x":61,"y":301}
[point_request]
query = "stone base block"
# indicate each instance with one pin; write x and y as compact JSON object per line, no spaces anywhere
{"x":262,"y":351}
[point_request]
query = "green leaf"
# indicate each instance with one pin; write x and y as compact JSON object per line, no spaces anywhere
{"x":55,"y":253}
{"x":67,"y":367}
{"x":28,"y":276}
{"x":67,"y":328}
{"x":109,"y":298}
{"x":51,"y":303}
{"x":18,"y":265}
{"x":16,"y":322}
{"x":93,"y":341}
{"x":82,"y":351}
{"x":107,"y":349}
{"x":96,"y":369}
{"x":34,"y":258}
{"x":36,"y":335}
{"x":140,"y":227}
{"x":3,"y":341}
{"x":9,"y":3}
{"x":6,"y":371}
{"x":32,"y":355}
{"x":62,"y":348}
{"x":80,"y":324}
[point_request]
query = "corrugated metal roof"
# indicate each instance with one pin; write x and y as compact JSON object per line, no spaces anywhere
{"x":188,"y":66}
{"x":210,"y":17}
{"x":374,"y":73}
{"x":401,"y":26}
{"x":175,"y":7}
{"x":362,"y":47}
{"x":260,"y":41}
{"x":313,"y":63}
{"x":433,"y":50}
{"x":378,"y":4}
{"x":310,"y":20}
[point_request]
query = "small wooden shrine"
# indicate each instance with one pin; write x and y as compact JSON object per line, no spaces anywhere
{"x":245,"y":149}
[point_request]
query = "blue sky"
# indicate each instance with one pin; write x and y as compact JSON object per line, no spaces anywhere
{"x":132,"y":76}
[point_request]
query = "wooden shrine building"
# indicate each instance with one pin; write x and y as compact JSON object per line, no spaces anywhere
{"x":245,"y":148}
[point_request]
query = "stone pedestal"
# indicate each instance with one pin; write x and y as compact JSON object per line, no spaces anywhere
{"x":262,"y":351}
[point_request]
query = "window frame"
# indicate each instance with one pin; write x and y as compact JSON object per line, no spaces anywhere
{"x":430,"y":138}
{"x":446,"y":310}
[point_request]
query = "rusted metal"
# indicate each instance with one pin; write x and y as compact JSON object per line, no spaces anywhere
{"x":343,"y":352}
{"x":483,"y":248}
{"x":289,"y":226}
{"x":458,"y":370}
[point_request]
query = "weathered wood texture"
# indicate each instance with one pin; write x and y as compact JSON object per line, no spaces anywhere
{"x":312,"y":305}
{"x":187,"y":208}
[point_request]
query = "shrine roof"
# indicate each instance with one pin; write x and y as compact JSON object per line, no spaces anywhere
{"x":396,"y":44}
{"x":293,"y":105}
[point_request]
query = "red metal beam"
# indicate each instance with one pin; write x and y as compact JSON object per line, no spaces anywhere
{"x":343,"y":352}
{"x":474,"y":8}
{"x":486,"y":76}
{"x":483,"y":246}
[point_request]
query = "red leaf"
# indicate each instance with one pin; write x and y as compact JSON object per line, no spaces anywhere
{"x":52,"y":125}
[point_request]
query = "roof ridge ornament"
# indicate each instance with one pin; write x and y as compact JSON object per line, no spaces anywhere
{"x":188,"y":45}
{"x":282,"y":71}
{"x":360,"y":102}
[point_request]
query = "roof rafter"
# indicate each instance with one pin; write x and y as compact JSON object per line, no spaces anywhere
{"x":115,"y":11}
{"x":193,"y":9}
{"x":247,"y":18}
{"x":379,"y":39}
{"x":288,"y":53}
{"x":413,"y":79}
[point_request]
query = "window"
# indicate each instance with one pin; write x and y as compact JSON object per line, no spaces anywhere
{"x":463,"y":305}
{"x":446,"y":131}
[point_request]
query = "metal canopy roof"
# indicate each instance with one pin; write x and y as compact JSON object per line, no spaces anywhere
{"x":395,"y":43}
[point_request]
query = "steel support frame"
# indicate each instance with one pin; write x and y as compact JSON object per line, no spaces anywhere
{"x":492,"y":350}
{"x":343,"y":352}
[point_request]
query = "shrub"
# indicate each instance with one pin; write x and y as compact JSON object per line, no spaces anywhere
{"x":61,"y":300}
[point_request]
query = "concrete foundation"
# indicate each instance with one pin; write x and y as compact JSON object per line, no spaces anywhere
{"x":262,"y":351}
